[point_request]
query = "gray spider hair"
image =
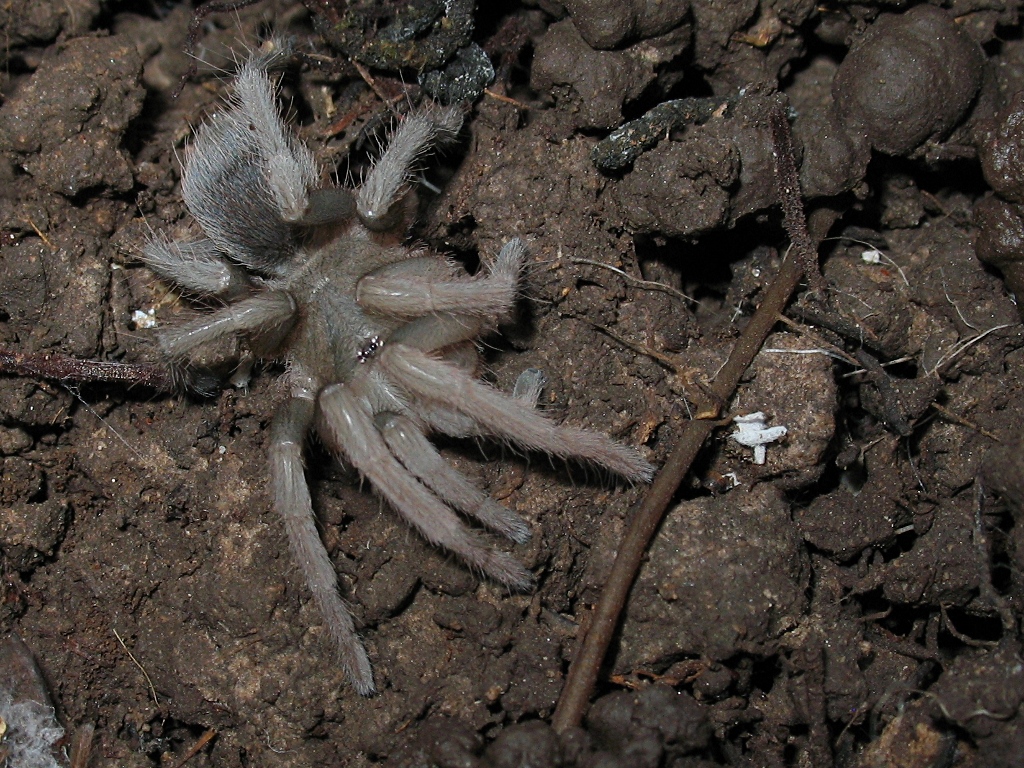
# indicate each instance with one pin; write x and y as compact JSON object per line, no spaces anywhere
{"x":377,"y":337}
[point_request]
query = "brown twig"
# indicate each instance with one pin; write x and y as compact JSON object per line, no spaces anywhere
{"x":507,"y":99}
{"x":195,"y":24}
{"x":42,"y":236}
{"x":830,"y":318}
{"x":81,"y":747}
{"x":788,"y":179}
{"x":194,"y":750}
{"x":956,"y":419}
{"x":371,"y":82}
{"x":585,"y":666}
{"x":893,"y":412}
{"x":71,"y":369}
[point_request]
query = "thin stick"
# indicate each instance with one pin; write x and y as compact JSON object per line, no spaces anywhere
{"x":649,"y":285}
{"x":42,"y":236}
{"x":81,"y":747}
{"x":586,"y":664}
{"x":145,"y":674}
{"x":961,"y":346}
{"x":507,"y":99}
{"x":389,"y":101}
{"x":805,"y":331}
{"x":71,"y":369}
{"x":950,"y":416}
{"x":195,"y":24}
{"x":203,"y":740}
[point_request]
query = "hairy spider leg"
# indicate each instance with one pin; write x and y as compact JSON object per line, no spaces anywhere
{"x":411,"y":447}
{"x":265,"y":319}
{"x":247,"y":178}
{"x":412,"y":289}
{"x":293,"y":504}
{"x":197,"y":267}
{"x":346,"y":425}
{"x":415,"y":134}
{"x":439,"y":381}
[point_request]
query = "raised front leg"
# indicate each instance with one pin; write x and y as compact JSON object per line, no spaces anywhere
{"x":383,"y":185}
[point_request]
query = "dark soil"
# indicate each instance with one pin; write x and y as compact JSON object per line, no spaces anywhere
{"x":854,"y":601}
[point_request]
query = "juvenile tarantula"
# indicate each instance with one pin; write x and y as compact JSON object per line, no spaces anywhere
{"x":377,"y":336}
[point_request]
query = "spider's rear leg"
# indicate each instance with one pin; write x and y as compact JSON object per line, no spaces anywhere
{"x":292,"y":502}
{"x":346,"y":425}
{"x":417,"y":453}
{"x":449,"y":421}
{"x":441,"y":382}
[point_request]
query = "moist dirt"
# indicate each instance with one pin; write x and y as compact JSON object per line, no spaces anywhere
{"x":855,"y":600}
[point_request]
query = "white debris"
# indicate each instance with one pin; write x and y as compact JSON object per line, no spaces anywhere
{"x":753,"y":432}
{"x":144,"y":318}
{"x":875,"y":256}
{"x":31,"y":733}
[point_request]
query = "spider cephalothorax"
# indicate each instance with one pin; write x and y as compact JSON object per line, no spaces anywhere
{"x":378,"y":337}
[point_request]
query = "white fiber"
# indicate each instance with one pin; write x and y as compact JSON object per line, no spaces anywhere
{"x":31,"y":733}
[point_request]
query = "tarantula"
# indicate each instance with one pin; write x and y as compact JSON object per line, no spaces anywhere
{"x":378,"y":337}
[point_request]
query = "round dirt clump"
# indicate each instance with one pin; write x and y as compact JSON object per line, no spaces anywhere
{"x":595,"y":83}
{"x":608,"y":23}
{"x":910,"y":79}
{"x":1000,"y":238}
{"x":1002,"y":156}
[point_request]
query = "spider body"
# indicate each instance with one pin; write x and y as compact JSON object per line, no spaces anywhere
{"x":378,"y":337}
